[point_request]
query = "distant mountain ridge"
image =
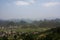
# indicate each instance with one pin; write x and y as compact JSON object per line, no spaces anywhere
{"x":18,"y":20}
{"x":31,"y":23}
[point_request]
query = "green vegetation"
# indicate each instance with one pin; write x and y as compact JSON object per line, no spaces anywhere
{"x":35,"y":30}
{"x":33,"y":24}
{"x":50,"y":34}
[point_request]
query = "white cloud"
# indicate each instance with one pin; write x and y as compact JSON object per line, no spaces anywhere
{"x":22,"y":3}
{"x":28,"y":2}
{"x":51,"y":4}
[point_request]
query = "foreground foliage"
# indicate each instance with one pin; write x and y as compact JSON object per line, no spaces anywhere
{"x":52,"y":34}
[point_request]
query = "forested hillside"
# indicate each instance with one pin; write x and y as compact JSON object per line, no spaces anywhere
{"x":31,"y":30}
{"x":31,"y":24}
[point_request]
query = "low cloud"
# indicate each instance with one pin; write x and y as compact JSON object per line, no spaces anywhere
{"x":50,"y":4}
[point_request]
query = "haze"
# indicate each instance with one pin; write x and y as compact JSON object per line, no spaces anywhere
{"x":29,"y":9}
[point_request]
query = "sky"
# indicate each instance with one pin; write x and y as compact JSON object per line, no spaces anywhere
{"x":29,"y":9}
